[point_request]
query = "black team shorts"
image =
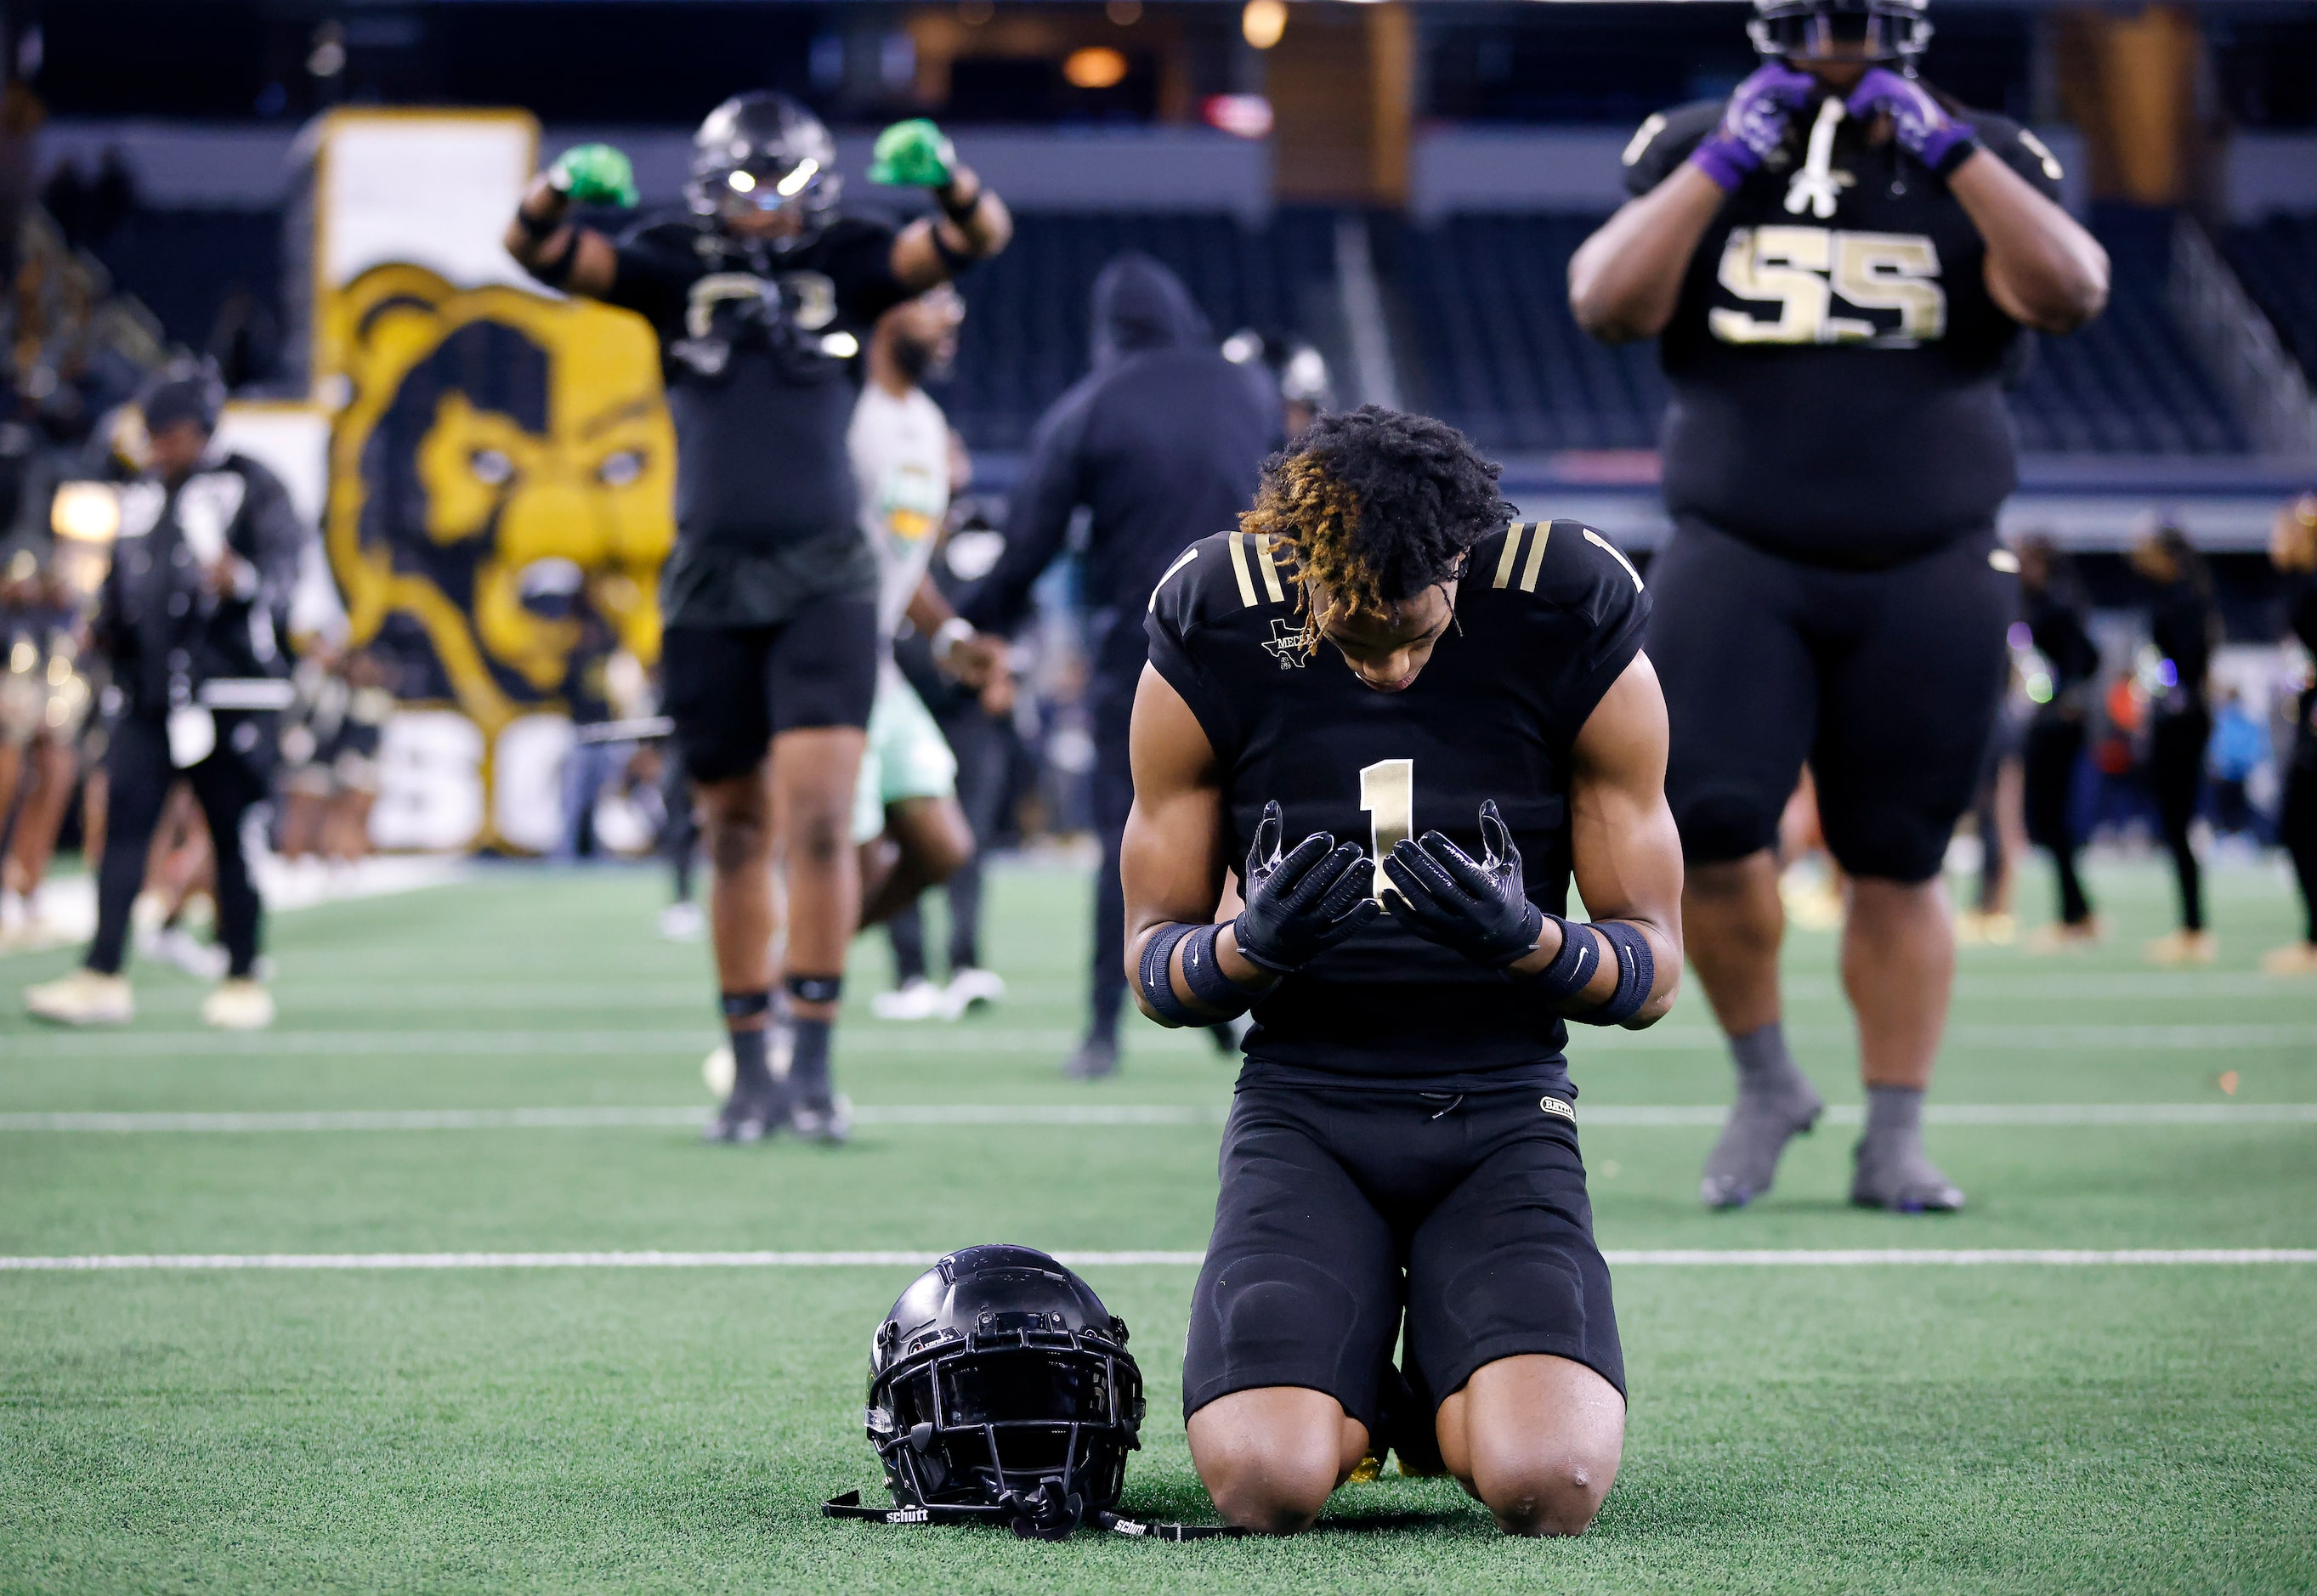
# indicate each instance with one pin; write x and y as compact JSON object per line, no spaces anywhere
{"x":1886,"y":681}
{"x":1342,"y":1207}
{"x":732,"y":690}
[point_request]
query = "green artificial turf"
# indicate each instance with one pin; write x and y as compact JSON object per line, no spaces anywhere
{"x":1998,"y":1428}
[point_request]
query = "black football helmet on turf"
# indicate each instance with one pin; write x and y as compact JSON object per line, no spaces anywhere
{"x":763,"y":152}
{"x":1895,"y":31}
{"x":999,"y":1384}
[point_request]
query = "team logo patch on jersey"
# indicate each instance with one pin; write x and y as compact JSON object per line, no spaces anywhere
{"x":1286,"y":644}
{"x":1556,"y":1107}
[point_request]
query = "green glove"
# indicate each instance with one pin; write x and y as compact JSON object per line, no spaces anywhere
{"x":914,"y":154}
{"x":594,"y":174}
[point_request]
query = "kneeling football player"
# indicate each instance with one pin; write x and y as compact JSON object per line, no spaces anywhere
{"x":1377,"y":656}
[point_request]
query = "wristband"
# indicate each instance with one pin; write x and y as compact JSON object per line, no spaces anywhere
{"x":536,"y":229}
{"x":948,"y":635}
{"x":959,"y":212}
{"x":1158,"y":982}
{"x":1636,"y":974}
{"x":1202,"y":973}
{"x":1956,"y":153}
{"x":1572,"y":969}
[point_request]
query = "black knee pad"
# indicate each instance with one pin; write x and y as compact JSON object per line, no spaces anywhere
{"x":1889,"y":843}
{"x":1719,"y":825}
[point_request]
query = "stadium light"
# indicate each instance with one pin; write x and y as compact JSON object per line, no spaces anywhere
{"x":1096,"y":67}
{"x":85,"y":512}
{"x":1263,"y":22}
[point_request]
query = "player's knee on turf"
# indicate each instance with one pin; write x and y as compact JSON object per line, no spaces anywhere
{"x":1550,"y":1493}
{"x":1271,"y":1458}
{"x":1536,"y":1439}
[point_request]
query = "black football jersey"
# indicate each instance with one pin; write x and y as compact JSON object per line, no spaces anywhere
{"x":755,"y":348}
{"x":1549,"y":614}
{"x":1836,"y":360}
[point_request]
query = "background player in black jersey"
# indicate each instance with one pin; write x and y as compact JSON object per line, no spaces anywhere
{"x":1375,"y":652}
{"x":761,"y":297}
{"x":1840,"y":263}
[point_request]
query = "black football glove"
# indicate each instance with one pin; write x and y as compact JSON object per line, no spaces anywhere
{"x":1477,"y":906}
{"x":1299,"y":907}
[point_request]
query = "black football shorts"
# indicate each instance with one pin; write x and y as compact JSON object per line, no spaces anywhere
{"x":1885,"y":681}
{"x":731,"y":690}
{"x":1343,"y":1207}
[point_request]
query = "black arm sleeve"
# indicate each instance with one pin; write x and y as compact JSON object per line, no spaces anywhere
{"x":2019,"y":149}
{"x":1664,"y":141}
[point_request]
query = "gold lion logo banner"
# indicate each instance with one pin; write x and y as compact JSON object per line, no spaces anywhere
{"x":495,"y":447}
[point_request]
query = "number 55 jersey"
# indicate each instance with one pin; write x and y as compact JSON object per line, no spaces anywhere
{"x":1836,"y":360}
{"x":1549,"y":614}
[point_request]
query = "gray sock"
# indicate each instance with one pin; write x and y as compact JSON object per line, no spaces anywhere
{"x":1766,"y":1067}
{"x":1892,"y":1170}
{"x":809,"y":1068}
{"x":1775,"y":1103}
{"x":750,"y":1072}
{"x":1894,"y":1115}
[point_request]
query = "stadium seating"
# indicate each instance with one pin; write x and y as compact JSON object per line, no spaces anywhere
{"x":2277,"y":260}
{"x":1481,"y":321}
{"x":1026,"y":338}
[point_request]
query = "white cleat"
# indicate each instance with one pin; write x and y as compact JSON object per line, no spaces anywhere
{"x":916,"y":998}
{"x":970,"y":989}
{"x":175,"y":945}
{"x":682,"y":922}
{"x":82,"y":998}
{"x":241,"y":1004}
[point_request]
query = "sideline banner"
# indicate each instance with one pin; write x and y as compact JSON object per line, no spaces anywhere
{"x":501,"y":466}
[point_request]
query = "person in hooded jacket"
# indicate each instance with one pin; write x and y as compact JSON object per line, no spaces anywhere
{"x":1162,"y":444}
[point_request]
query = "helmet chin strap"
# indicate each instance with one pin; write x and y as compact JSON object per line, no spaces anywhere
{"x":1818,"y":186}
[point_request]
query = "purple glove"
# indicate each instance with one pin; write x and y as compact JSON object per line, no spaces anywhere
{"x":1921,"y":124}
{"x":1754,"y":123}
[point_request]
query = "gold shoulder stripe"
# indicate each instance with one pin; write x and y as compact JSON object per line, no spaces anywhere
{"x":1536,"y":557}
{"x":1511,"y":555}
{"x":1616,"y":553}
{"x":1270,"y":569}
{"x":1182,"y":560}
{"x":1239,"y":542}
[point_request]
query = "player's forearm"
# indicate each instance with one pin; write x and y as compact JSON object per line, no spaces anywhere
{"x":1665,"y":973}
{"x":539,"y":228}
{"x":928,"y":611}
{"x":1625,"y":280}
{"x":2046,"y":269}
{"x":1191,"y":1009}
{"x":976,"y":218}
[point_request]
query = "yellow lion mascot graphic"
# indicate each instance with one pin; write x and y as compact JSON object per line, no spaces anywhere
{"x":495,"y":446}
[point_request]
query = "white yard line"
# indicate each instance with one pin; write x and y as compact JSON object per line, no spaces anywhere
{"x":2097,"y":1039}
{"x":1833,"y":1258}
{"x":1647,"y":1115}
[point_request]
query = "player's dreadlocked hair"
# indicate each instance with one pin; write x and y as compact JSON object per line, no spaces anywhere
{"x":1376,"y":506}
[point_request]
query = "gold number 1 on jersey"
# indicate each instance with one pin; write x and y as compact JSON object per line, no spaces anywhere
{"x":1388,"y":794}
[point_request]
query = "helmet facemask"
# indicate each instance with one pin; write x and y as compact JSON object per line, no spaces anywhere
{"x":1893,"y":32}
{"x":1021,"y":1416}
